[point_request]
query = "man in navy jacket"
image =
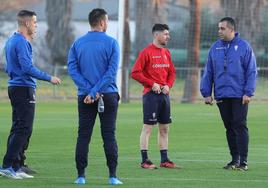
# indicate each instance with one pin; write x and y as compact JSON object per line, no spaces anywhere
{"x":93,"y":63}
{"x":231,"y":71}
{"x":21,"y":92}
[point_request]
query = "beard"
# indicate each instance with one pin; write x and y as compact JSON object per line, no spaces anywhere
{"x":31,"y":33}
{"x":163,"y":43}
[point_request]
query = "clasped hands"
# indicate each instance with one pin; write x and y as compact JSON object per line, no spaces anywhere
{"x":89,"y":99}
{"x":158,"y":88}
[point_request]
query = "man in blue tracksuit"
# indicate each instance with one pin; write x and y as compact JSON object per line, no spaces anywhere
{"x":21,"y":92}
{"x":231,"y":71}
{"x":93,"y":63}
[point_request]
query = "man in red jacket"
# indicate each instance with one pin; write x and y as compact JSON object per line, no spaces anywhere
{"x":155,"y":71}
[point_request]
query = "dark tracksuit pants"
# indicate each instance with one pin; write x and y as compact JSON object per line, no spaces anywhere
{"x":22,"y":156}
{"x":23,"y":108}
{"x":234,"y":116}
{"x":87,"y":116}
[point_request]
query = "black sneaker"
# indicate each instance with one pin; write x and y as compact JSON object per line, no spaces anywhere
{"x":231,"y":165}
{"x":27,"y":170}
{"x":242,"y":167}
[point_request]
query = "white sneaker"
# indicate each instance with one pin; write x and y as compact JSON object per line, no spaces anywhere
{"x":22,"y":174}
{"x":9,"y":173}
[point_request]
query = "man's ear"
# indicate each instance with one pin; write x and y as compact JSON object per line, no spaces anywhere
{"x":101,"y":22}
{"x":27,"y":24}
{"x":156,"y":34}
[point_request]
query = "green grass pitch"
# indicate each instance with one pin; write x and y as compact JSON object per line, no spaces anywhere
{"x":196,"y":143}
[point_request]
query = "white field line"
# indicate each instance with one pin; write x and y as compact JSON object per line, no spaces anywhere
{"x":169,"y":179}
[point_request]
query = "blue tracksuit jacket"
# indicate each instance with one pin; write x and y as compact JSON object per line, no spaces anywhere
{"x":19,"y":63}
{"x":93,"y":63}
{"x":231,"y":70}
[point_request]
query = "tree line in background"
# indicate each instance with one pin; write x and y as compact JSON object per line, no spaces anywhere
{"x":192,"y":35}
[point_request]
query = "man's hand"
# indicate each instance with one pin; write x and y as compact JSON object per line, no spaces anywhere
{"x":246,"y":99}
{"x":55,"y":80}
{"x":156,"y":88}
{"x":98,"y":96}
{"x":209,"y":100}
{"x":165,"y":89}
{"x":88,"y":100}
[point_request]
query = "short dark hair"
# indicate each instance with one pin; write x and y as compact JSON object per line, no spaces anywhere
{"x":230,"y":21}
{"x":159,"y":27}
{"x":24,"y":14}
{"x":95,"y":16}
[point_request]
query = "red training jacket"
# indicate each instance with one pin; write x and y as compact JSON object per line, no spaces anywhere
{"x":154,"y":65}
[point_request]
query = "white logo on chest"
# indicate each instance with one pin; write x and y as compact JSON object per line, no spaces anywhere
{"x":236,"y":47}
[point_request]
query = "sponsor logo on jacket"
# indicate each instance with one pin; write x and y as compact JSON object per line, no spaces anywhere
{"x":160,"y":66}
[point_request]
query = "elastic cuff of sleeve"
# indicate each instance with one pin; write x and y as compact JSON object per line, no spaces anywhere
{"x":151,"y":84}
{"x":248,"y":94}
{"x":93,"y":95}
{"x":49,"y":78}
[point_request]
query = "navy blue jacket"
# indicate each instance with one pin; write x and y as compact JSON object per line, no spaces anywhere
{"x":231,"y":70}
{"x":93,"y":63}
{"x":19,"y":63}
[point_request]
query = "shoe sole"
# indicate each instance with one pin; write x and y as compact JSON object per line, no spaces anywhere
{"x":24,"y":175}
{"x":175,"y":167}
{"x":229,"y":168}
{"x":235,"y":168}
{"x":77,"y":183}
{"x":117,"y":183}
{"x":151,"y":168}
{"x":240,"y":169}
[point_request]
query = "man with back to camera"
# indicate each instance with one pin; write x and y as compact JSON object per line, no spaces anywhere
{"x":21,"y":92}
{"x":93,"y":63}
{"x":231,"y":71}
{"x":155,"y":71}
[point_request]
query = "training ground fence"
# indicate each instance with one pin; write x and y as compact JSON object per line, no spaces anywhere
{"x":67,"y":90}
{"x":193,"y":27}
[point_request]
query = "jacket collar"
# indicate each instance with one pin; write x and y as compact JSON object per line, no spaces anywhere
{"x":232,"y":41}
